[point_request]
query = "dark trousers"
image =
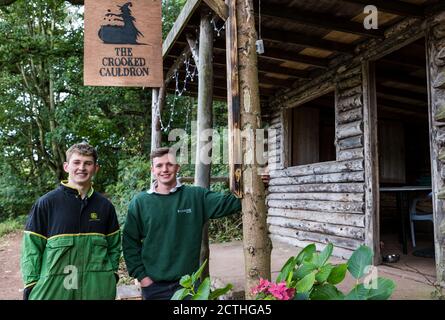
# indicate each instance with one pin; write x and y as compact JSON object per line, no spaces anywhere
{"x":160,"y":290}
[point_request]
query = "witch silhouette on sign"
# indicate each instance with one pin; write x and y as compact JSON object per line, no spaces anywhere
{"x":117,"y":33}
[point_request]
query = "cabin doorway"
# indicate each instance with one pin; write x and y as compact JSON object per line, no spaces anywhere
{"x":404,"y":163}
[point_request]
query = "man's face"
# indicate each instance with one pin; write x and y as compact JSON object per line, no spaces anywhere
{"x":165,"y":168}
{"x":80,"y":169}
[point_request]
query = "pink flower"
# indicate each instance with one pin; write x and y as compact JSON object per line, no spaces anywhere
{"x":277,"y":290}
{"x":262,"y":287}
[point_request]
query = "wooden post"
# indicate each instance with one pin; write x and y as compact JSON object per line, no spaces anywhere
{"x":372,"y":226}
{"x":436,"y":93}
{"x":157,"y":103}
{"x":205,"y":123}
{"x":257,"y":245}
{"x":233,"y":102}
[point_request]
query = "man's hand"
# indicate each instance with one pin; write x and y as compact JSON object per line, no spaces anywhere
{"x":146,"y":282}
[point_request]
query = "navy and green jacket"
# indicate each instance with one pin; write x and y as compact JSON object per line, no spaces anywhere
{"x":71,"y":246}
{"x":162,"y":233}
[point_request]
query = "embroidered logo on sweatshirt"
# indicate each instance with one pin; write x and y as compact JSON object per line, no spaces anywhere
{"x":185,"y":210}
{"x":94,"y":216}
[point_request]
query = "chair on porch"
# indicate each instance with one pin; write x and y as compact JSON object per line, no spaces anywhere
{"x":415,"y":215}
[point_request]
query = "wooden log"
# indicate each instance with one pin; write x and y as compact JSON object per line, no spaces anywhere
{"x":350,"y":92}
{"x":346,"y":72}
{"x":319,"y":168}
{"x":319,"y":227}
{"x":440,"y":58}
{"x":325,"y":187}
{"x":349,"y":129}
{"x":275,"y":120}
{"x":440,"y":111}
{"x":337,"y":252}
{"x":342,"y":197}
{"x":439,"y":82}
{"x":350,"y":115}
{"x":346,"y":243}
{"x":436,"y":100}
{"x":276,"y":139}
{"x":350,"y":154}
{"x":324,"y":178}
{"x":441,"y":156}
{"x":328,"y":206}
{"x":350,"y":103}
{"x":349,"y":83}
{"x":350,"y":143}
{"x":346,"y":219}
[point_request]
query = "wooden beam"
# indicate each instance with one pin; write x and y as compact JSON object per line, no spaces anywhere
{"x":193,"y":47}
{"x":267,"y":67}
{"x":329,"y":22}
{"x":186,"y":13}
{"x":177,"y":64}
{"x":285,"y":55}
{"x":305,"y":41}
{"x":394,"y":7}
{"x":219,"y":7}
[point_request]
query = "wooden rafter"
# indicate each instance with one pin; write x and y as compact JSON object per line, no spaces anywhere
{"x":305,"y":41}
{"x":395,"y":7}
{"x":324,"y":21}
{"x":184,"y":16}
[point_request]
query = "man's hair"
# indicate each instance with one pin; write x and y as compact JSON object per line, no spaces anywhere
{"x":159,"y":152}
{"x":83,"y":149}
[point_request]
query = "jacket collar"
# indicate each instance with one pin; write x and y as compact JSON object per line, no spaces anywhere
{"x":155,"y":183}
{"x":65,"y":186}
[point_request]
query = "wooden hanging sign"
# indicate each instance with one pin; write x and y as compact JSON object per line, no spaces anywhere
{"x":123,"y":43}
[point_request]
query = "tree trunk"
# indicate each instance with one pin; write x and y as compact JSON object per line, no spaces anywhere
{"x":257,"y":245}
{"x":204,"y":125}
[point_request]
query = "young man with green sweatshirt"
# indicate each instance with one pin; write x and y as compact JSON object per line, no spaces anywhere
{"x":163,"y":230}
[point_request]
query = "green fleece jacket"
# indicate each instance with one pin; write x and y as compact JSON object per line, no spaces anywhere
{"x":162,"y":233}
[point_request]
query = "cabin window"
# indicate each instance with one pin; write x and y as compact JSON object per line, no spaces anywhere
{"x":312,"y":131}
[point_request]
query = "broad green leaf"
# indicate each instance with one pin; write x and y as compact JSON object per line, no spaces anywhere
{"x":304,"y":270}
{"x":326,"y":292}
{"x":180,"y":294}
{"x":301,"y":296}
{"x":384,"y":290}
{"x":219,"y":292}
{"x":288,"y":267}
{"x":186,"y":281}
{"x":321,"y":258}
{"x":338,"y":274}
{"x":289,"y":279}
{"x":324,"y":272}
{"x":197,"y":274}
{"x":305,"y":284}
{"x":359,"y":292}
{"x":203,"y":290}
{"x":360,"y":259}
{"x":306,"y":254}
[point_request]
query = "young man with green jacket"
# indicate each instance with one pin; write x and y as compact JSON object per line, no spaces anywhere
{"x":163,"y":230}
{"x":71,"y":244}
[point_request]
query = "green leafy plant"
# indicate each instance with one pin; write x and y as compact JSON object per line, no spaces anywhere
{"x":310,"y":276}
{"x":192,"y":289}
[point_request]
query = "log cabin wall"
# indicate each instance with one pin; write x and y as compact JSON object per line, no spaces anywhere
{"x":337,"y":201}
{"x":436,"y":66}
{"x":321,"y":202}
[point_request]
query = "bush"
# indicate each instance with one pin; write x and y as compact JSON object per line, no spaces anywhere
{"x":134,"y":177}
{"x":12,"y":225}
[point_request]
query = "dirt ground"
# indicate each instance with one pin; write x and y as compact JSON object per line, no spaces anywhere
{"x":10,"y":278}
